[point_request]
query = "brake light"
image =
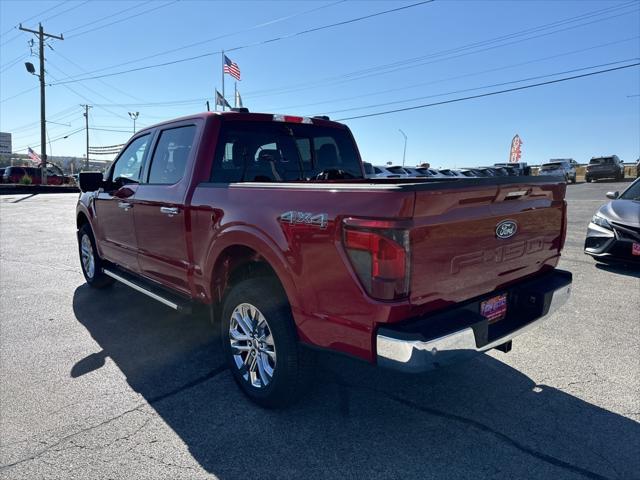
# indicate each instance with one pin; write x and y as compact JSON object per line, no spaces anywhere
{"x":291,"y":119}
{"x":380,"y":259}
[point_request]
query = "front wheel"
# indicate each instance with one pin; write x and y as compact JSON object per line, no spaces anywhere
{"x":260,"y":344}
{"x":90,"y":260}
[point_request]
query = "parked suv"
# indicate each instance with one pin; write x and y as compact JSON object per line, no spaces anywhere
{"x":560,"y":166}
{"x":605,"y":167}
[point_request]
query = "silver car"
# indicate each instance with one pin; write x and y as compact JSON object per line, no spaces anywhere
{"x":560,"y":167}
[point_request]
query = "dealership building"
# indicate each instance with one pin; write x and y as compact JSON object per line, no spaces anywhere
{"x":5,"y":143}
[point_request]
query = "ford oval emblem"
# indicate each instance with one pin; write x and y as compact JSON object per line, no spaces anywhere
{"x":506,"y":229}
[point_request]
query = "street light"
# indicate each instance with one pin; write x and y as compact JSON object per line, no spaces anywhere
{"x":30,"y":68}
{"x":404,"y":153}
{"x":134,"y":116}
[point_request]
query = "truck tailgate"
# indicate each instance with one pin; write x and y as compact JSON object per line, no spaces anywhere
{"x":456,"y":253}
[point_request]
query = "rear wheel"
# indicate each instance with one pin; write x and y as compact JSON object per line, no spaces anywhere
{"x":260,"y":344}
{"x":90,"y":260}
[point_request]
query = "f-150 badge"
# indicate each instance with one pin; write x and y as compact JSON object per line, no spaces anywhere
{"x":306,"y":218}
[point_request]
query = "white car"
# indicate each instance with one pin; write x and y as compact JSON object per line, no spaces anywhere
{"x":389,"y":172}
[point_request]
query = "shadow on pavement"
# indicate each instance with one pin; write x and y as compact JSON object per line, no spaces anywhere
{"x":479,"y":419}
{"x":620,"y":268}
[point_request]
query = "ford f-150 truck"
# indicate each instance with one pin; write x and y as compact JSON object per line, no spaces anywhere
{"x":269,"y":221}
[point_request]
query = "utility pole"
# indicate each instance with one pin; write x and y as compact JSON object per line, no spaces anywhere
{"x":43,"y":127}
{"x":404,"y":153}
{"x":223,"y":80}
{"x":86,"y":126}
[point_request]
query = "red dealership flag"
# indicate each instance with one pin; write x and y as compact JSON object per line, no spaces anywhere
{"x":516,"y":149}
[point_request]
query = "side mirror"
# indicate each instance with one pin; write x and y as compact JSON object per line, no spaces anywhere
{"x":612,"y":195}
{"x":90,"y":181}
{"x":123,"y":181}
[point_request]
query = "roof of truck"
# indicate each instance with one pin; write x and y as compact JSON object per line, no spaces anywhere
{"x":253,"y":117}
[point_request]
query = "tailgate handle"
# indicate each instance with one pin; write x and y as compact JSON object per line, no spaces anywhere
{"x":516,"y":194}
{"x":171,"y":211}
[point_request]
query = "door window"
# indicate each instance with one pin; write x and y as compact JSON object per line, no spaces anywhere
{"x":170,"y":157}
{"x":129,"y":164}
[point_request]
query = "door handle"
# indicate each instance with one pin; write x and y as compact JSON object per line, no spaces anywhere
{"x":125,"y":206}
{"x":171,"y":211}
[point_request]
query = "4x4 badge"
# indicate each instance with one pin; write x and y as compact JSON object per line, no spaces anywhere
{"x":506,"y":229}
{"x":307,"y":218}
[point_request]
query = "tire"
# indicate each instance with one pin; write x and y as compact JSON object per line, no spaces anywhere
{"x":587,"y":179}
{"x":90,"y":262}
{"x":257,"y":309}
{"x":573,"y":179}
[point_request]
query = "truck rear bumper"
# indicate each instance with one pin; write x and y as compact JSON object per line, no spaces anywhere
{"x":448,"y":337}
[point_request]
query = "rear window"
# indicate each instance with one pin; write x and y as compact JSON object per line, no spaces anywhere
{"x":275,"y":152}
{"x":601,"y":161}
{"x":551,"y":166}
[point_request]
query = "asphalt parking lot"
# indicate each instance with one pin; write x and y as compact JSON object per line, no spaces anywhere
{"x":112,"y":385}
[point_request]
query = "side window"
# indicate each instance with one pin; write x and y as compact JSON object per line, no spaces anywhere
{"x":129,"y":164}
{"x":170,"y":157}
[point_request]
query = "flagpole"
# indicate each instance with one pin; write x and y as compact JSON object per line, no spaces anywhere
{"x":223,"y":79}
{"x":235,"y":94}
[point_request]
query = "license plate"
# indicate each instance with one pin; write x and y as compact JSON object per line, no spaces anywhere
{"x":635,"y":248}
{"x":495,"y":308}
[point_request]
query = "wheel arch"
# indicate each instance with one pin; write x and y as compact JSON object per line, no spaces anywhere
{"x":245,"y":254}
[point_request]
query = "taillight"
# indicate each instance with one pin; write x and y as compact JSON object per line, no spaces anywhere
{"x":380,"y":258}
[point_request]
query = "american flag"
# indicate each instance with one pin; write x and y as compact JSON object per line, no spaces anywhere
{"x":33,"y":155}
{"x":231,"y":68}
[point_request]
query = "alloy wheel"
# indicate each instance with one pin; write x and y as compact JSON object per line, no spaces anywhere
{"x":87,"y":256}
{"x":252,"y":345}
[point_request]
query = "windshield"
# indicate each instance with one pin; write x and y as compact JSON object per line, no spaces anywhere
{"x":633,"y":192}
{"x":398,"y":170}
{"x":281,"y":152}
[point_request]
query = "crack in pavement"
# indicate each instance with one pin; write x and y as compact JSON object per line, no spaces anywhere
{"x":213,"y":373}
{"x":483,"y":428}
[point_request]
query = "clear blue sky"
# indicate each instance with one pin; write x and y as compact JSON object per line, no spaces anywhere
{"x":314,"y":73}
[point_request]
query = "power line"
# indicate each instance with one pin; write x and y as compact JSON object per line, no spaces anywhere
{"x":78,"y":5}
{"x":443,"y":54}
{"x":489,"y":94}
{"x":124,"y":19}
{"x":537,"y":77}
{"x":455,"y":77}
{"x":101,"y":81}
{"x":73,"y":79}
{"x":51,"y":141}
{"x":84,"y":25}
{"x":166,"y":52}
{"x":31,"y":18}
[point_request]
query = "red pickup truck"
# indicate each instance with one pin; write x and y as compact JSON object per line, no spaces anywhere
{"x":270,"y":221}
